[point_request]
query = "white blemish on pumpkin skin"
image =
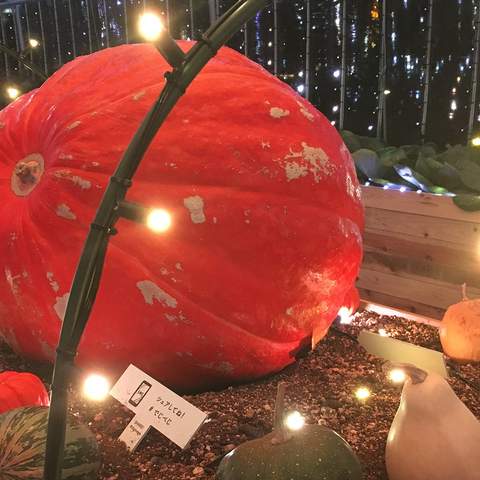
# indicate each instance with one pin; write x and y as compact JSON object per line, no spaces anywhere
{"x":81,"y":182}
{"x":52,"y":282}
{"x":61,"y":305}
{"x":294,"y":170}
{"x":65,"y":156}
{"x":266,"y":145}
{"x":74,"y":125}
{"x":318,"y":160}
{"x":277,"y":112}
{"x":305,"y":112}
{"x":289,"y":311}
{"x":65,"y":212}
{"x":178,"y":266}
{"x":223,"y":367}
{"x":215,"y":220}
{"x":152,"y":291}
{"x":195,"y":206}
{"x":139,"y":95}
{"x":95,"y":164}
{"x":11,"y":280}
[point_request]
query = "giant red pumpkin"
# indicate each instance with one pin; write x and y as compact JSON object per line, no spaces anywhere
{"x":21,"y":389}
{"x":265,"y":242}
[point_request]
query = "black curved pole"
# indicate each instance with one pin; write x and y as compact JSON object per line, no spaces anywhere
{"x":88,"y":273}
{"x":19,"y":58}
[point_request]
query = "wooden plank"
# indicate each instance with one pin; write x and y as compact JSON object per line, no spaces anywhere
{"x":414,"y":288}
{"x":423,"y":250}
{"x":456,"y":274}
{"x":401,"y":304}
{"x":420,"y":204}
{"x":445,"y":231}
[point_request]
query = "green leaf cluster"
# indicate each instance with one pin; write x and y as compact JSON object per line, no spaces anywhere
{"x":454,"y":170}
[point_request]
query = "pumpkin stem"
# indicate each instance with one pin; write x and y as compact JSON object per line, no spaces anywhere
{"x":26,"y":174}
{"x":281,"y":435}
{"x":464,"y":292}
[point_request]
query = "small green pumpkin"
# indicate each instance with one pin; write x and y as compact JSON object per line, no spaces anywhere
{"x":311,"y":453}
{"x":22,"y":447}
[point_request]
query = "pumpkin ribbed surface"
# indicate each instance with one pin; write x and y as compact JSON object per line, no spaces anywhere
{"x":23,"y":441}
{"x":265,"y":243}
{"x":21,"y":389}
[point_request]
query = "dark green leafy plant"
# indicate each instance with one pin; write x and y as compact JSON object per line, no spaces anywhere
{"x":453,"y":171}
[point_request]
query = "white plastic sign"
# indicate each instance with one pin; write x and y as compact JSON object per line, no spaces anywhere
{"x":155,"y":406}
{"x":404,"y":352}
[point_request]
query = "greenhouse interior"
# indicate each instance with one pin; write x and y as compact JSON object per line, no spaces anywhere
{"x":239,"y":240}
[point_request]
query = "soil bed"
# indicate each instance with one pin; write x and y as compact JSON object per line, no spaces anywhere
{"x":320,"y":386}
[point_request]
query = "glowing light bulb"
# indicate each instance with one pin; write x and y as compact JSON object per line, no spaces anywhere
{"x":33,"y":43}
{"x":159,"y":220}
{"x":345,"y":315}
{"x":96,"y":387}
{"x":387,"y":92}
{"x":336,"y":73}
{"x":476,"y":141}
{"x":294,"y":421}
{"x":150,"y":26}
{"x":362,"y":393}
{"x":397,"y":375}
{"x":12,"y":92}
{"x":335,"y":108}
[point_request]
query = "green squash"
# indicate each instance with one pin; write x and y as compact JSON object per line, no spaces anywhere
{"x":312,"y":453}
{"x":22,"y":447}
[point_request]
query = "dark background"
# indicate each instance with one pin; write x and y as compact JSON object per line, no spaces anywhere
{"x":75,"y":27}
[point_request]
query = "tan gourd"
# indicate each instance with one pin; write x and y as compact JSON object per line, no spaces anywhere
{"x":434,"y":436}
{"x":460,"y":330}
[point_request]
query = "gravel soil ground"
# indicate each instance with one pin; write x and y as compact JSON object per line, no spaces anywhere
{"x":321,"y":386}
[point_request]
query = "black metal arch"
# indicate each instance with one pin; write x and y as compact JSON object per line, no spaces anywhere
{"x":21,"y":59}
{"x":89,"y":269}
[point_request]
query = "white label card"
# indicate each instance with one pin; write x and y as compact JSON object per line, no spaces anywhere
{"x":155,"y":406}
{"x":404,"y":352}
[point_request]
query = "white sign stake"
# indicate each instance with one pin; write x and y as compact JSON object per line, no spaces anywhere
{"x":134,"y":433}
{"x":155,"y":406}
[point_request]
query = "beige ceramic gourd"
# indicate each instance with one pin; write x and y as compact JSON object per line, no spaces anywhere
{"x":434,"y":436}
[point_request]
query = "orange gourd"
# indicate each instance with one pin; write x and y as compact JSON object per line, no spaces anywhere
{"x":460,"y":330}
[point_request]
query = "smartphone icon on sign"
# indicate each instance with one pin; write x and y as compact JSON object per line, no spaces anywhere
{"x":139,"y":393}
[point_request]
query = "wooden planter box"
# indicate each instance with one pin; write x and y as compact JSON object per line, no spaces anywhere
{"x":418,"y":250}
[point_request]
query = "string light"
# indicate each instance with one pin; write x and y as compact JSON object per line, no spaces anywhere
{"x":159,"y":220}
{"x":476,"y":141}
{"x":33,"y":43}
{"x":96,"y":387}
{"x":362,"y":393}
{"x":294,"y":421}
{"x":12,"y":92}
{"x":397,"y":375}
{"x":150,"y":26}
{"x":345,"y":315}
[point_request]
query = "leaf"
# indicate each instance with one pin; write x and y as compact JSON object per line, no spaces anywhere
{"x":371,"y":143}
{"x":367,"y":162}
{"x":469,"y":174}
{"x":413,"y":177}
{"x":391,"y":156}
{"x":350,"y":140}
{"x":470,"y":203}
